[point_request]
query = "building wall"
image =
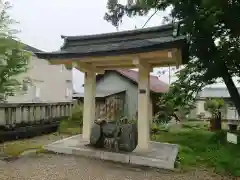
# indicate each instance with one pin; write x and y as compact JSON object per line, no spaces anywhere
{"x":231,"y":113}
{"x":112,"y":81}
{"x":200,"y":108}
{"x":50,"y":83}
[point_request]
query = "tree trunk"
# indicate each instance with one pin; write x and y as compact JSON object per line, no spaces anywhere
{"x":232,"y":89}
{"x":216,"y":122}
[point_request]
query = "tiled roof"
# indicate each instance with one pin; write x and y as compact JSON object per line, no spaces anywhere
{"x":99,"y":93}
{"x":121,"y":34}
{"x":30,"y":48}
{"x":156,"y":85}
{"x":215,"y":92}
{"x":126,"y":42}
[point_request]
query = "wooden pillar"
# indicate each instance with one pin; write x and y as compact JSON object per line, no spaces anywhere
{"x":143,"y":109}
{"x":89,"y":104}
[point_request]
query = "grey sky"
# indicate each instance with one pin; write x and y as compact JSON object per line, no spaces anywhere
{"x":42,"y":22}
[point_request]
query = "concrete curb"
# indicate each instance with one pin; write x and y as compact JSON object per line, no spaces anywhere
{"x":116,"y":157}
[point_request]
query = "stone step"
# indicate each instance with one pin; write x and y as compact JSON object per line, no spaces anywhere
{"x":162,"y":156}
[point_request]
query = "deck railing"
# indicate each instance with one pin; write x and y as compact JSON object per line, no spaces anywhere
{"x":13,"y":115}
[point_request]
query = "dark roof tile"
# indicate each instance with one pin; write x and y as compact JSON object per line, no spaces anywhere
{"x":156,"y":85}
{"x":121,"y":34}
{"x":30,"y":48}
{"x":27,"y":47}
{"x":117,"y":43}
{"x":99,"y":93}
{"x":123,"y":45}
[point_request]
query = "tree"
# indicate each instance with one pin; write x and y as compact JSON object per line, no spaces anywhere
{"x":182,"y":93}
{"x":13,"y":58}
{"x":215,"y":106}
{"x":213,"y":31}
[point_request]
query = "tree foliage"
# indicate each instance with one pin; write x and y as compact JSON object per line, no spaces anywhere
{"x":13,"y":58}
{"x":182,"y":92}
{"x":214,"y":106}
{"x":214,"y":33}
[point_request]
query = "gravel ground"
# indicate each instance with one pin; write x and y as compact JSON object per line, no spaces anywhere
{"x":62,"y":167}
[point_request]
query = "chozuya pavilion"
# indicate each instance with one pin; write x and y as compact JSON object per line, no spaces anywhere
{"x":142,"y":48}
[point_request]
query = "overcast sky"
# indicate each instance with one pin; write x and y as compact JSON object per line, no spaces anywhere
{"x":42,"y":22}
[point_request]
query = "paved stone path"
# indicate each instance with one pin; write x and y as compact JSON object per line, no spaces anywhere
{"x":62,"y":167}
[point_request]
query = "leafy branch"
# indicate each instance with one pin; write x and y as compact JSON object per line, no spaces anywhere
{"x":13,"y":58}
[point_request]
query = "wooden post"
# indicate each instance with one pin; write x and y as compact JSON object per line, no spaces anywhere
{"x":89,"y":103}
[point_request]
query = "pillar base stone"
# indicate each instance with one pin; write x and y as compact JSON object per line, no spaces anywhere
{"x":85,"y":138}
{"x":141,"y":149}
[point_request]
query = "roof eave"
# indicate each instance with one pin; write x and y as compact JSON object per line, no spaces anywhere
{"x":179,"y":43}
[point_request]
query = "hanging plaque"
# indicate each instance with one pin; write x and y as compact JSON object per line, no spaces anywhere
{"x":142,"y":91}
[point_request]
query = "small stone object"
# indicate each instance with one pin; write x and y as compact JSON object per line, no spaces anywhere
{"x":114,"y":137}
{"x":111,"y":144}
{"x":110,"y":129}
{"x":96,"y":134}
{"x":128,"y":137}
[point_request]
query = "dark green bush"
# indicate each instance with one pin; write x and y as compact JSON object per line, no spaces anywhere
{"x":193,"y":119}
{"x":219,"y":137}
{"x":186,"y":126}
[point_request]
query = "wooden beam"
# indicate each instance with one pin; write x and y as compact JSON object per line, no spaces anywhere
{"x":113,"y":63}
{"x":118,"y":67}
{"x":58,"y":61}
{"x":156,"y":58}
{"x":163,"y":54}
{"x":85,"y":67}
{"x":140,"y":63}
{"x":178,"y":56}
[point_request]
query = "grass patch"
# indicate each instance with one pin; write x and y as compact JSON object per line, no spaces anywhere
{"x":195,"y":125}
{"x":16,"y":148}
{"x":69,"y":128}
{"x":73,"y":124}
{"x":199,"y":147}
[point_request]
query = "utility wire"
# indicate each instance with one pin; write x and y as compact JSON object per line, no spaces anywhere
{"x":150,"y":18}
{"x":169,"y":71}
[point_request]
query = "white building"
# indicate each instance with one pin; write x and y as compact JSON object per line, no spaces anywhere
{"x":43,"y":82}
{"x":228,"y":113}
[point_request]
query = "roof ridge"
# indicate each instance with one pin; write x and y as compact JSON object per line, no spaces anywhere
{"x":27,"y":47}
{"x":125,"y":32}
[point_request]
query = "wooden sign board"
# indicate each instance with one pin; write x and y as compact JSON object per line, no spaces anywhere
{"x":232,"y":138}
{"x":142,"y":91}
